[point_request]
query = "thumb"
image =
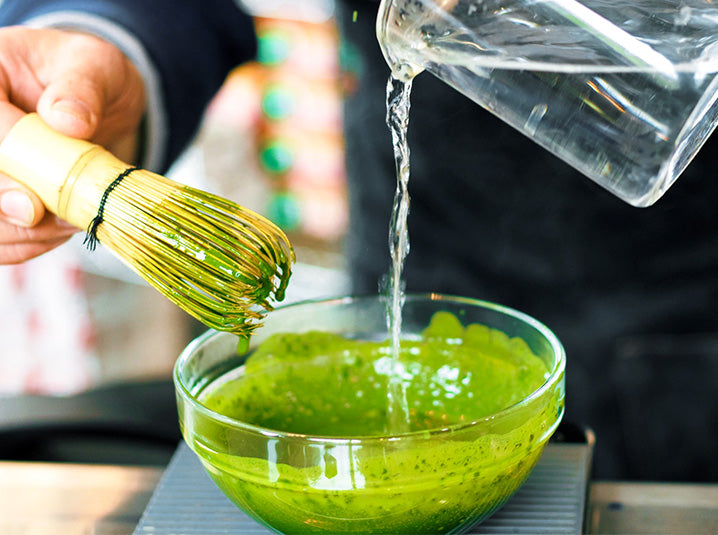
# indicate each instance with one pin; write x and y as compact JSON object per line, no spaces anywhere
{"x":72,"y":105}
{"x":18,"y":205}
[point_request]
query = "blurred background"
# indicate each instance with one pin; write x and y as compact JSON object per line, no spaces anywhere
{"x":272,"y":141}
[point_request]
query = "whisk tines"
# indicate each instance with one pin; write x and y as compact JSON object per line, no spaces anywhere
{"x":219,"y":261}
{"x":222,"y":263}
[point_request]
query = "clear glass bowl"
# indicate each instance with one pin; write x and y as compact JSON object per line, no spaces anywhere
{"x":443,"y":478}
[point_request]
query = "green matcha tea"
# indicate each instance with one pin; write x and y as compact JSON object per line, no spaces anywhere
{"x":446,"y":473}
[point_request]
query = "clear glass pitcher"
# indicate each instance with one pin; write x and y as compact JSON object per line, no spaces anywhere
{"x":625,"y":92}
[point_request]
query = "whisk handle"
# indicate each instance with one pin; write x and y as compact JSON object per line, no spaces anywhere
{"x":52,"y":164}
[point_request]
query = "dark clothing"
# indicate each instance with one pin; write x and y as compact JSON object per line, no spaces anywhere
{"x":630,"y":292}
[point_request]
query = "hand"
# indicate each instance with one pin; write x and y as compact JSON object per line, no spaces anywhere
{"x":81,"y":86}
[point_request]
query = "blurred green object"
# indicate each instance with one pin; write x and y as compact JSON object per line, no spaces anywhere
{"x":276,"y":157}
{"x":284,"y":211}
{"x":273,"y":47}
{"x":277,"y":102}
{"x":350,"y":59}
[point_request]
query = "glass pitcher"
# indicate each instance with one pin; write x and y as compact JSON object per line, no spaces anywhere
{"x":625,"y":92}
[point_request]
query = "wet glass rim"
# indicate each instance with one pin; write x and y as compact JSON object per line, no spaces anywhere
{"x":554,"y":375}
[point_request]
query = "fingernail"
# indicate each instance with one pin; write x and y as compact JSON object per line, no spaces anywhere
{"x":17,"y":207}
{"x":76,"y":109}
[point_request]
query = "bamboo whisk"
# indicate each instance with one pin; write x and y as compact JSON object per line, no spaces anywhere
{"x":220,"y":262}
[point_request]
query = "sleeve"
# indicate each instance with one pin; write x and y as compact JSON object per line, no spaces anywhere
{"x":183,"y":49}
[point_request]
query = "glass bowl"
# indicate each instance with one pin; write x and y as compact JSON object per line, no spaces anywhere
{"x":307,"y":446}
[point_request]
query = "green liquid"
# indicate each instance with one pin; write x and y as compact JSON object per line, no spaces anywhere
{"x":322,"y":384}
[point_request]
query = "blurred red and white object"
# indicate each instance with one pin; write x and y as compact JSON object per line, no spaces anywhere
{"x":48,"y":343}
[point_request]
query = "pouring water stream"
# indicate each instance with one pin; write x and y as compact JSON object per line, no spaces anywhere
{"x":398,"y":104}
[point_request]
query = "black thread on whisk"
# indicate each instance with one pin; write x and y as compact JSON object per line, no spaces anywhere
{"x":91,"y":239}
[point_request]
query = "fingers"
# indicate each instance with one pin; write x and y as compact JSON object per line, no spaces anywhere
{"x":19,"y":253}
{"x":82,"y":87}
{"x":91,"y":92}
{"x":9,"y":115}
{"x":19,"y":206}
{"x":72,"y":105}
{"x":19,"y":244}
{"x":26,"y":229}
